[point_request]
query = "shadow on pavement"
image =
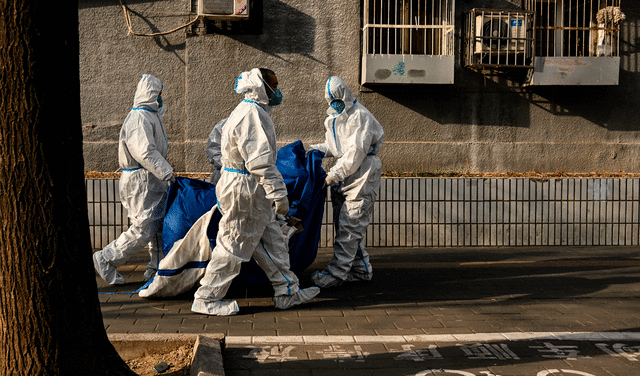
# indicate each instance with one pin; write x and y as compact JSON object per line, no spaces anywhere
{"x":512,"y":274}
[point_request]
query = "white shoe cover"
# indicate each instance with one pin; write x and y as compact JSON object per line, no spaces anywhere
{"x":324,"y":279}
{"x":149,"y":273}
{"x":106,"y":271}
{"x":359,"y":277}
{"x":215,"y":308}
{"x":301,"y":296}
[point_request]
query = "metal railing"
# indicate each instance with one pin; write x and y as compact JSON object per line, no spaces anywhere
{"x":450,"y":212}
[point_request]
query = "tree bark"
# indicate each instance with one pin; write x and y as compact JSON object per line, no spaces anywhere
{"x":50,"y":318}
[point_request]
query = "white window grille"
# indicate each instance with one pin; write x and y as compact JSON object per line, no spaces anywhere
{"x":577,"y":28}
{"x":413,"y":27}
{"x":577,"y":42}
{"x":402,"y":37}
{"x":498,"y":38}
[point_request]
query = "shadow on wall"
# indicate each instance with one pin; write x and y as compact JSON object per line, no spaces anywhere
{"x":138,"y":19}
{"x":86,"y":4}
{"x":160,"y":40}
{"x":500,"y":100}
{"x":474,"y":99}
{"x":489,"y":104}
{"x":605,"y":106}
{"x":285,"y":30}
{"x":610,"y":107}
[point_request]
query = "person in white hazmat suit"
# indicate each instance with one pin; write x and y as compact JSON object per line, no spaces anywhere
{"x":249,"y":185}
{"x":142,"y":153}
{"x":354,"y":137}
{"x":214,"y":152}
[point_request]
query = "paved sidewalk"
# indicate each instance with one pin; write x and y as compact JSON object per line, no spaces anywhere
{"x":526,"y":311}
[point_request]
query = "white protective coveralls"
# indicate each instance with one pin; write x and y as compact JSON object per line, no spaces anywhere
{"x":248,"y":186}
{"x":142,"y":154}
{"x":214,"y":152}
{"x":353,"y":136}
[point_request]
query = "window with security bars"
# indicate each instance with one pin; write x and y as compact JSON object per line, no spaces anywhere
{"x":408,"y":27}
{"x":576,"y":28}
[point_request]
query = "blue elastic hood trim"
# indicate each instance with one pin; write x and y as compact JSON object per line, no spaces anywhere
{"x":254,"y":102}
{"x":142,"y":109}
{"x":329,"y":89}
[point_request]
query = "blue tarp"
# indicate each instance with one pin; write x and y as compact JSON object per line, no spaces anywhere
{"x":189,"y":199}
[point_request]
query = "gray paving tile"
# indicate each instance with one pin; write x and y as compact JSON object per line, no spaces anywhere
{"x":373,"y":325}
{"x":599,"y":297}
{"x":321,"y":313}
{"x":333,"y":331}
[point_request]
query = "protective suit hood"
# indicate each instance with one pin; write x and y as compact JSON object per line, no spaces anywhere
{"x":147,"y":92}
{"x":251,"y":84}
{"x":336,"y":88}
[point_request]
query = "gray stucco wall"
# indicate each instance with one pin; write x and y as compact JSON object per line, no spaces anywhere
{"x":482,"y":123}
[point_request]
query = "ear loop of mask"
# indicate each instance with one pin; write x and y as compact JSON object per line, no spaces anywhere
{"x":269,"y":86}
{"x":277,"y":92}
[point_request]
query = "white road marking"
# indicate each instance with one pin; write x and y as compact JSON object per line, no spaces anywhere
{"x":472,"y":337}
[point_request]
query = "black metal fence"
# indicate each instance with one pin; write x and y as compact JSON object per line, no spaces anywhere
{"x":450,"y":212}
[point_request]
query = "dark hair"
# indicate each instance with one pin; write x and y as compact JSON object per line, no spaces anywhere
{"x":266,"y":73}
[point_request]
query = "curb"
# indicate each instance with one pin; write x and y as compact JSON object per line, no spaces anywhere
{"x":207,"y":349}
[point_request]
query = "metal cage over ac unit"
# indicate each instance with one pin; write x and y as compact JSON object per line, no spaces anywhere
{"x":577,"y":42}
{"x":408,"y":41}
{"x":498,"y":38}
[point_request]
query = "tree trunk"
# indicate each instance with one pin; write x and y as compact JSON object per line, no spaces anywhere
{"x":50,"y":319}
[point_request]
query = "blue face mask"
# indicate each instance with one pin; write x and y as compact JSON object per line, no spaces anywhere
{"x":276,"y":98}
{"x":338,"y":105}
{"x":159,"y":101}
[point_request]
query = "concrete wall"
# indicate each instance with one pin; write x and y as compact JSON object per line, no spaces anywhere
{"x":482,"y":123}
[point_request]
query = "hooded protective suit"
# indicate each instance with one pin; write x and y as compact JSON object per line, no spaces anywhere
{"x":213,"y":151}
{"x":142,"y":154}
{"x":354,"y":137}
{"x":248,"y":186}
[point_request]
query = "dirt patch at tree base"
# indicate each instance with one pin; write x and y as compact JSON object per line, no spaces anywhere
{"x":182,"y":352}
{"x":141,"y":357}
{"x":178,"y":359}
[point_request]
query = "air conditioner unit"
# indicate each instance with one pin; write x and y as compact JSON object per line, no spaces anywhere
{"x":223,"y":9}
{"x":501,"y":32}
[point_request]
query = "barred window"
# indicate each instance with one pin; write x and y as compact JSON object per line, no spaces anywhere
{"x":413,"y":27}
{"x":577,"y":28}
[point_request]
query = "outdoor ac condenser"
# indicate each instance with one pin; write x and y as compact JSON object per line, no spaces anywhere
{"x":500,"y":33}
{"x":223,"y":9}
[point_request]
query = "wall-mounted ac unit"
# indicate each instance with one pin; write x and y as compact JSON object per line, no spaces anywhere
{"x":223,"y":9}
{"x":501,"y":32}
